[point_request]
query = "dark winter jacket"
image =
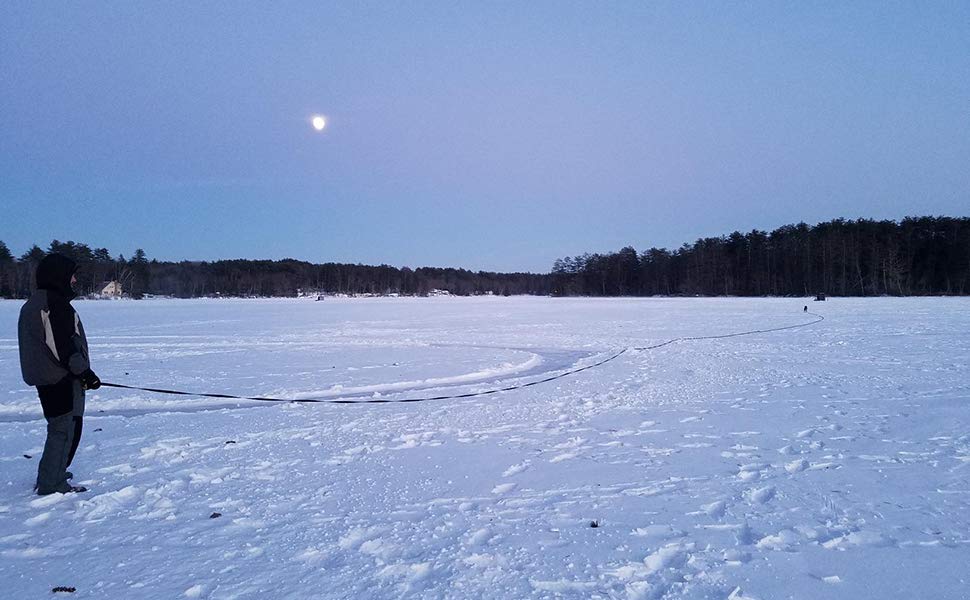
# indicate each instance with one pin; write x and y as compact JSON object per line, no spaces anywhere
{"x":52,"y":340}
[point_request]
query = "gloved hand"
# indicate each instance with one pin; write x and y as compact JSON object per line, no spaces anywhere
{"x":89,"y":380}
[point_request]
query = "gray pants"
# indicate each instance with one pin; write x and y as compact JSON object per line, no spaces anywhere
{"x":51,"y":472}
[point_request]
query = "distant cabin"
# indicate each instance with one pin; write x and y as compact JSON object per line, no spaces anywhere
{"x":111,"y":289}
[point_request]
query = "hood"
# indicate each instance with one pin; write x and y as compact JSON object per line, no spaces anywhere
{"x":54,"y":274}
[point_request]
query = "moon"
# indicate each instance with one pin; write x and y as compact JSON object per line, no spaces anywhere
{"x":318,"y":122}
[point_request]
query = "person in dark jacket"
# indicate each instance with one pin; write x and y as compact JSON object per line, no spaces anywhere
{"x":54,"y":358}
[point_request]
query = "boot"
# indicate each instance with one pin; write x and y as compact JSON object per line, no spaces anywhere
{"x":64,"y":488}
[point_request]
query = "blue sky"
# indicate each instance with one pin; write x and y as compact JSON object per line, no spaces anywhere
{"x":487,"y":135}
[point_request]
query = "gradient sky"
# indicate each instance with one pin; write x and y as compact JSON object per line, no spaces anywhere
{"x":487,"y":135}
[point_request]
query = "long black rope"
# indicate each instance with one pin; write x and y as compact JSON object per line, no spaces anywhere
{"x":818,"y":319}
{"x":368,"y":400}
{"x":455,"y":396}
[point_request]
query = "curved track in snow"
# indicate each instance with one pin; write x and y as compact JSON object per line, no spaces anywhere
{"x":539,"y":364}
{"x":543,"y":365}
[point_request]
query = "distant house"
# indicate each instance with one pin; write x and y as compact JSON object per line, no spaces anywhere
{"x":111,"y":289}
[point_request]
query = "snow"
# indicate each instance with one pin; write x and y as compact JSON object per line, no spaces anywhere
{"x":828,"y":461}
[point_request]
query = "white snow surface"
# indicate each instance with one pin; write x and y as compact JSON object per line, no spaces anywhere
{"x":829,"y":461}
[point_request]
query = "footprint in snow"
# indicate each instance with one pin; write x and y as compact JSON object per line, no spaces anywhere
{"x":563,"y":456}
{"x":573,"y":442}
{"x":733,"y":556}
{"x":49,"y":500}
{"x":830,"y":579}
{"x":671,"y":556}
{"x":761,"y":495}
{"x":516,"y":469}
{"x":479,"y":538}
{"x":752,"y":471}
{"x":859,"y":538}
{"x":503,"y":488}
{"x":782,"y":541}
{"x":28,"y":552}
{"x":715,"y":509}
{"x":657,"y":532}
{"x":38,"y":519}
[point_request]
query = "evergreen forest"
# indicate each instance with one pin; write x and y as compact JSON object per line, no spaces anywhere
{"x":864,"y":257}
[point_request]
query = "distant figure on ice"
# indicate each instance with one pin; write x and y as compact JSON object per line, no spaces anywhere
{"x":54,"y":358}
{"x":805,"y":309}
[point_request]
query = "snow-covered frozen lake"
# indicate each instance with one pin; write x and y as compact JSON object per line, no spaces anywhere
{"x":828,"y":461}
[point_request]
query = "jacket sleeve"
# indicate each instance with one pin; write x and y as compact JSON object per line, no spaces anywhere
{"x":64,"y":328}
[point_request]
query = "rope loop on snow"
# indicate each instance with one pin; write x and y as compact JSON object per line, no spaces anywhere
{"x":369,"y":400}
{"x":510,"y":388}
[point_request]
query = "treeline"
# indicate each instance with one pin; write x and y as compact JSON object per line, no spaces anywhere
{"x":96,"y":267}
{"x":916,"y":256}
{"x":189,"y":279}
{"x":289,"y":277}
